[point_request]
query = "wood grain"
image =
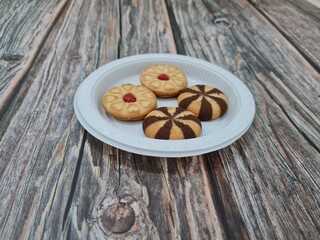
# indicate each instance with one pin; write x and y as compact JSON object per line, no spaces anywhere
{"x":42,"y":146}
{"x":68,"y":180}
{"x":24,"y":28}
{"x":265,"y":194}
{"x":58,"y":182}
{"x":292,"y":18}
{"x":164,"y":199}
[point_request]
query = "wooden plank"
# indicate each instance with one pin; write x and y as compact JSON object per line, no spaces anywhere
{"x":298,"y":21}
{"x":65,"y":179}
{"x":145,"y":28}
{"x":42,"y":144}
{"x":286,"y":79}
{"x":170,"y":197}
{"x":271,"y":175}
{"x":52,"y":173}
{"x":24,"y":28}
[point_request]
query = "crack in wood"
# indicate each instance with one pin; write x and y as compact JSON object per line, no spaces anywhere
{"x":74,"y":181}
{"x":219,"y":203}
{"x":179,"y":43}
{"x":119,"y":173}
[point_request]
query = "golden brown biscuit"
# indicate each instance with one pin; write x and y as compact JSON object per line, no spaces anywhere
{"x":171,"y":123}
{"x":129,"y":102}
{"x":204,"y":101}
{"x":164,"y":80}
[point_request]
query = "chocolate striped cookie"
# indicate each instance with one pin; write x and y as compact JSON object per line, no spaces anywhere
{"x":171,"y":123}
{"x":204,"y":101}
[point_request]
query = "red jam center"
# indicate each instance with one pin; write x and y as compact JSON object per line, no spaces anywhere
{"x":163,"y":77}
{"x":129,"y":98}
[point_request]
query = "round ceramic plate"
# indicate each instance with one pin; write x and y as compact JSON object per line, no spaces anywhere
{"x":129,"y":136}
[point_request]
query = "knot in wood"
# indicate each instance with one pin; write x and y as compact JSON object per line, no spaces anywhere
{"x":222,"y":22}
{"x":118,"y":218}
{"x":11,"y":58}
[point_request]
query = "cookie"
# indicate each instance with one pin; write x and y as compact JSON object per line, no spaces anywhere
{"x":171,"y":123}
{"x":204,"y":101}
{"x":129,"y":102}
{"x":164,"y":80}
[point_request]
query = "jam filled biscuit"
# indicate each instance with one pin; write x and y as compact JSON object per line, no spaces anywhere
{"x":164,"y":80}
{"x":129,"y":102}
{"x":171,"y":123}
{"x":204,"y":101}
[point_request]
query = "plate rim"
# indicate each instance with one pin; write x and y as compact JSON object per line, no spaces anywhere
{"x":99,"y":132}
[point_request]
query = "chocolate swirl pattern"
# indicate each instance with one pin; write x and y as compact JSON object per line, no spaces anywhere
{"x":171,"y":123}
{"x":204,"y":101}
{"x":163,"y":80}
{"x":129,"y":102}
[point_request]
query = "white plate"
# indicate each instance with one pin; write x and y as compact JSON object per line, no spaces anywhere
{"x":129,"y":136}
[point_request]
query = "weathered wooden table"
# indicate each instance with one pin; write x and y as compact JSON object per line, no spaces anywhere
{"x":57,"y":181}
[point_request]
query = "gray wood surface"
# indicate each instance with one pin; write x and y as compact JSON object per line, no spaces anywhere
{"x":59,"y":182}
{"x":292,"y":18}
{"x":25,"y":26}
